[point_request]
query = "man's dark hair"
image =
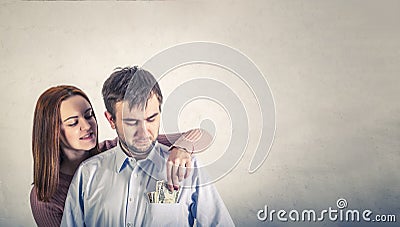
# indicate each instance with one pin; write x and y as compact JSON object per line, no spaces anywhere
{"x":131,"y":84}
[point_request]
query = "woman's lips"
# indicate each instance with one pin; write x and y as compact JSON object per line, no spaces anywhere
{"x":89,"y":136}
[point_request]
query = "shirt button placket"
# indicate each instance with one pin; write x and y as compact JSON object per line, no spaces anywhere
{"x":132,"y":191}
{"x":131,"y":200}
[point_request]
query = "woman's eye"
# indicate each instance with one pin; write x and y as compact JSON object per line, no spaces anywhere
{"x":73,"y":124}
{"x":89,"y":116}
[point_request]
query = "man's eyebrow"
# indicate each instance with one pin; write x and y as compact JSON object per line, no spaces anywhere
{"x":129,"y":119}
{"x":133,"y":119}
{"x":73,"y":117}
{"x":155,"y":114}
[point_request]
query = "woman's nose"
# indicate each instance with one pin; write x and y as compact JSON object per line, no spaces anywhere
{"x":85,"y":125}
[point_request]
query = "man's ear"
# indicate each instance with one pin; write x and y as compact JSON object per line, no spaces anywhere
{"x":110,"y":119}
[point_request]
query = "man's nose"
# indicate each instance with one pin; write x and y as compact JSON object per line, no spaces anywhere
{"x":141,"y":130}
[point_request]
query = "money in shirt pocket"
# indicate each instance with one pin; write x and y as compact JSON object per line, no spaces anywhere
{"x":162,"y":194}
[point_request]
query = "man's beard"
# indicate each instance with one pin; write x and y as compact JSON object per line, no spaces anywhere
{"x":134,"y":151}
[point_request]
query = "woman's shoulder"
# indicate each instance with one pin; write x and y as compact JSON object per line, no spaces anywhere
{"x":108,"y":144}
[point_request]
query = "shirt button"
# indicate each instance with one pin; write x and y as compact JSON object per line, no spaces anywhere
{"x":135,"y":175}
{"x":129,"y":225}
{"x":130,"y":199}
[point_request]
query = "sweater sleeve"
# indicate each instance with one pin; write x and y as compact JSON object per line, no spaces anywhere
{"x":168,"y":139}
{"x":45,"y":213}
{"x":108,"y":144}
{"x":193,"y":141}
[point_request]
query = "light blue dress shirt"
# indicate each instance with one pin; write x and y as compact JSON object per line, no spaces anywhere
{"x":110,"y":189}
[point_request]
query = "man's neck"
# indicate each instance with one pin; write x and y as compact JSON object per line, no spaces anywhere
{"x":133,"y":154}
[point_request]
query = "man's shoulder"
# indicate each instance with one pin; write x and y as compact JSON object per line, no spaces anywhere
{"x":104,"y":156}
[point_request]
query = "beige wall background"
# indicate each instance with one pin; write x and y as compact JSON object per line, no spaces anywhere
{"x":333,"y":67}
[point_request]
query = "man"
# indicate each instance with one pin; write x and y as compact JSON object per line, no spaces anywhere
{"x":111,"y":189}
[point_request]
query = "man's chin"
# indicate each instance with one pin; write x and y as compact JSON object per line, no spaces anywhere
{"x":142,"y":148}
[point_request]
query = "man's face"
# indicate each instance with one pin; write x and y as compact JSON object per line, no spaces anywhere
{"x":137,"y":129}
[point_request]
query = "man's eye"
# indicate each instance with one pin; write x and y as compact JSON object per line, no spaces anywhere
{"x":131,"y":123}
{"x":151,"y":119}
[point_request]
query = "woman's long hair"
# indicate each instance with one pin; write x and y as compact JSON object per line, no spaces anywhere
{"x":47,"y":154}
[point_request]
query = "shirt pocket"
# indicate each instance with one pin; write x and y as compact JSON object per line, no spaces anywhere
{"x":166,"y":214}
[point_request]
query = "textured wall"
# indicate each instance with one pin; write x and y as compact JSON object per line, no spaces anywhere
{"x":333,"y":68}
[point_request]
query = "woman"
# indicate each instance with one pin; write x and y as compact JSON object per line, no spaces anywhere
{"x":64,"y":134}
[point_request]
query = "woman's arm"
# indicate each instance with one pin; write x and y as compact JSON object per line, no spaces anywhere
{"x":192,"y":141}
{"x":182,"y":146}
{"x":179,"y":160}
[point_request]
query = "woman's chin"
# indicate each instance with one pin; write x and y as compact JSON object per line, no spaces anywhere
{"x":88,"y":147}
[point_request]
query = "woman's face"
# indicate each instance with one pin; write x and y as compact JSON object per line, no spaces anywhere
{"x":78,"y":126}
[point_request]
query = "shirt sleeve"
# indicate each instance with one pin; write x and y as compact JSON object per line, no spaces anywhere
{"x":193,"y":141}
{"x":74,"y":210}
{"x":44,"y":213}
{"x":208,"y":207}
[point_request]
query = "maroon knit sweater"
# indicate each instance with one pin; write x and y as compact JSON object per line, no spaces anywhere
{"x":49,"y":214}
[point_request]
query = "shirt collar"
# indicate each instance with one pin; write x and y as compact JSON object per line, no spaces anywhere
{"x":155,"y":158}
